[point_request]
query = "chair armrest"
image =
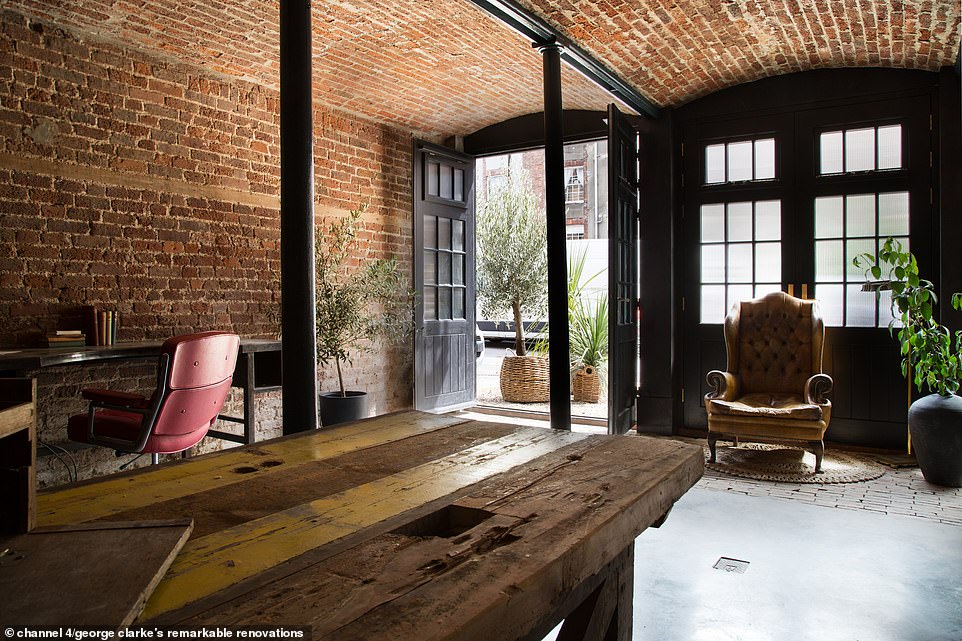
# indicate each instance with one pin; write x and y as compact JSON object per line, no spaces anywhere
{"x":817,"y":389}
{"x":111,"y":397}
{"x":724,"y":386}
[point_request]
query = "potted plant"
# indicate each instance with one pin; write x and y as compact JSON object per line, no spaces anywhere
{"x":512,"y":276}
{"x":588,"y":335}
{"x":931,"y":354}
{"x":357,"y":303}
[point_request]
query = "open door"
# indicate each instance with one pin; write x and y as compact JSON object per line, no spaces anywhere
{"x":623,"y":247}
{"x":444,"y":356}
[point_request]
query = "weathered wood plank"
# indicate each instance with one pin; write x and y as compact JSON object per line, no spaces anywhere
{"x":257,"y":495}
{"x":86,"y":575}
{"x":215,"y":562}
{"x":106,"y":497}
{"x":555,"y":523}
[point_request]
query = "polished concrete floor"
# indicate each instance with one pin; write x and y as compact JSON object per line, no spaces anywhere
{"x":813,"y":573}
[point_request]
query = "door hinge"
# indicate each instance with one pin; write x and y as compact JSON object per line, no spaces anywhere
{"x":683,"y":395}
{"x":682,"y":303}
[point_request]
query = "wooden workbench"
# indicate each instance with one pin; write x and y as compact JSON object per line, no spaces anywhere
{"x":405,"y":526}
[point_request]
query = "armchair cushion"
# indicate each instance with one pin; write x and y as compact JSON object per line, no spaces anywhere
{"x":766,"y":404}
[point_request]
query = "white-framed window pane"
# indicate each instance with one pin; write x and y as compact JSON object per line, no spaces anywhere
{"x":830,"y":153}
{"x":740,"y":161}
{"x":765,"y":159}
{"x":739,"y":221}
{"x":860,"y":215}
{"x":712,"y":223}
{"x":740,"y":263}
{"x":855,"y":248}
{"x":828,"y":217}
{"x":829,"y":261}
{"x":767,"y":288}
{"x":768,"y":220}
{"x":712,"y":303}
{"x":830,"y":302}
{"x":715,"y":164}
{"x":713,"y":263}
{"x":859,"y":307}
{"x":860,"y":149}
{"x":768,"y":262}
{"x":890,"y":147}
{"x":885,"y":315}
{"x":893,"y":214}
{"x":739,"y":293}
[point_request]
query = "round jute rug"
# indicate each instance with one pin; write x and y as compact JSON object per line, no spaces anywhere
{"x":792,"y":465}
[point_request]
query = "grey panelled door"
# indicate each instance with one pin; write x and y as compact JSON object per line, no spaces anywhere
{"x":622,"y":271}
{"x":444,"y":367}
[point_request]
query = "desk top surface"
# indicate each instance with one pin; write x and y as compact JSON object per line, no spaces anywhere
{"x":405,"y":526}
{"x":14,"y":359}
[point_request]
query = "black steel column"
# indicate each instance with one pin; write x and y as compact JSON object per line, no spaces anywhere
{"x":554,"y":160}
{"x":297,"y":219}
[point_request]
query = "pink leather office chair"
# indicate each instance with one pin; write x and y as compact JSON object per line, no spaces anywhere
{"x":193,"y":378}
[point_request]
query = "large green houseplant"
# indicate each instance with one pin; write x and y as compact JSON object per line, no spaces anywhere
{"x":931,"y":354}
{"x":358,"y":304}
{"x":512,"y":276}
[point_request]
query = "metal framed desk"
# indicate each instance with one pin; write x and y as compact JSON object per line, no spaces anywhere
{"x":258,"y":369}
{"x":403,"y":526}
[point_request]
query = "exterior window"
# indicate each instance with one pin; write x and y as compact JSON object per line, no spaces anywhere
{"x":495,"y":182}
{"x":575,"y":185}
{"x":445,"y":286}
{"x":741,"y":254}
{"x":859,"y":150}
{"x":741,"y":161}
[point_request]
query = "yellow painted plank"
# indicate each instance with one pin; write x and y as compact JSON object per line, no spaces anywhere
{"x":217,"y":561}
{"x":114,"y":495}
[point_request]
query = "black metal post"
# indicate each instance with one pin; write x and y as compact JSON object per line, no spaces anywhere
{"x":299,"y":368}
{"x":554,"y":160}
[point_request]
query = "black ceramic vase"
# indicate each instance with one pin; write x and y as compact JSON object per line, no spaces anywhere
{"x":341,"y":409}
{"x":935,"y":423}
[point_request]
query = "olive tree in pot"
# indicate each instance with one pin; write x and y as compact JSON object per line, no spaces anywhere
{"x":358,"y":304}
{"x":931,"y":353}
{"x":512,"y":276}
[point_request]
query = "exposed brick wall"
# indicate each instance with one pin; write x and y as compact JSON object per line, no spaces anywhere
{"x":132,"y":182}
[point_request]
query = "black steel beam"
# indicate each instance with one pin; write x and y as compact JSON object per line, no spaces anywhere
{"x":540,"y":33}
{"x":554,"y":159}
{"x":299,"y":368}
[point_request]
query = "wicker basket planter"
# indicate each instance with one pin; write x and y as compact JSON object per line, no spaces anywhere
{"x":586,"y":386}
{"x":524,"y":379}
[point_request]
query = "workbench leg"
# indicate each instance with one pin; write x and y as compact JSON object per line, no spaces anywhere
{"x":250,"y":428}
{"x":607,"y":612}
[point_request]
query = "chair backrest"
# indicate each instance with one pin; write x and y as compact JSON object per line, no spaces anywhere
{"x":198,"y":378}
{"x":774,"y":343}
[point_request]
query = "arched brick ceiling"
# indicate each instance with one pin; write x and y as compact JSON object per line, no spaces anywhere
{"x":674,"y":51}
{"x":442,"y":67}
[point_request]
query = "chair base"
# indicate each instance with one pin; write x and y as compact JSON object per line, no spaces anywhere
{"x":815,"y":447}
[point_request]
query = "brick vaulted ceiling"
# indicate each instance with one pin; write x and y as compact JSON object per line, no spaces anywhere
{"x":442,"y":67}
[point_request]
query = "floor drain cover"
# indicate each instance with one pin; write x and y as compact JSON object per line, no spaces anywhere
{"x":731,"y":565}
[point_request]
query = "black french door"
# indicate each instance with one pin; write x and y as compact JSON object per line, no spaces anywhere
{"x":786,"y":202}
{"x":444,"y":277}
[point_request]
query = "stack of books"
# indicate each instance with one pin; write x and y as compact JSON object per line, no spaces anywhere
{"x":66,"y":338}
{"x":101,"y":325}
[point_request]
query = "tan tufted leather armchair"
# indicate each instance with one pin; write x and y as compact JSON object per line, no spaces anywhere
{"x":774,"y":388}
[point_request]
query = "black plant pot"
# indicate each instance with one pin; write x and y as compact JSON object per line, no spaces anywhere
{"x":341,"y":409}
{"x":935,"y":423}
